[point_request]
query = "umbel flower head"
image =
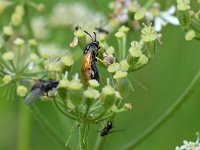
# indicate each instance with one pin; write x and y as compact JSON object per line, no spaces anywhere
{"x":189,"y":145}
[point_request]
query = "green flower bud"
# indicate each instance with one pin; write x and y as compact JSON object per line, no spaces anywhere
{"x":91,"y":93}
{"x":54,"y":67}
{"x":75,"y":84}
{"x":34,"y":58}
{"x":190,"y":35}
{"x":41,"y":7}
{"x":124,"y":66}
{"x":80,"y":34}
{"x":8,"y":56}
{"x":149,"y":34}
{"x":139,"y":14}
{"x":128,"y":106}
{"x":7,"y":79}
{"x":114,"y":108}
{"x":68,"y":60}
{"x":16,"y":19}
{"x":124,"y":29}
{"x":108,"y":90}
{"x":19,"y":10}
{"x":113,"y":67}
{"x":18,"y":41}
{"x":32,"y":42}
{"x":64,"y":83}
{"x":93,"y":83}
{"x":120,"y":74}
{"x":143,"y":59}
{"x":110,"y":50}
{"x":183,"y":5}
{"x":8,"y":30}
{"x":119,"y":34}
{"x":21,"y":90}
{"x":135,"y":52}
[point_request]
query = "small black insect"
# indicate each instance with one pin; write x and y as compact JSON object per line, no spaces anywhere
{"x":106,"y":129}
{"x":89,"y":68}
{"x":40,"y":88}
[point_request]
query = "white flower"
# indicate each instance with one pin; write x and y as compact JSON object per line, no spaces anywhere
{"x":188,"y":145}
{"x":163,"y":17}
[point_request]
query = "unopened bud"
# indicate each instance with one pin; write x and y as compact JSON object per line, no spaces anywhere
{"x":8,"y":56}
{"x":190,"y":35}
{"x":19,"y":41}
{"x":7,"y":79}
{"x":143,"y":59}
{"x":21,"y":90}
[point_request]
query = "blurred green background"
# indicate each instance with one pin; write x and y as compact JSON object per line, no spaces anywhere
{"x":166,"y":77}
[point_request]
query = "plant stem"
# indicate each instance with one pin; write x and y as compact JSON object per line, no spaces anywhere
{"x":24,"y":129}
{"x":83,"y":134}
{"x":47,"y":126}
{"x":168,"y":114}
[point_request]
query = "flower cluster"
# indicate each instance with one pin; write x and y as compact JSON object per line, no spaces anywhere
{"x":189,"y":145}
{"x":189,"y":20}
{"x":133,"y":14}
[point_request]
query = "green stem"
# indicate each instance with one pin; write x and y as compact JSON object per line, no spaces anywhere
{"x":149,"y":3}
{"x":168,"y":114}
{"x":24,"y":129}
{"x":47,"y":126}
{"x":83,"y":133}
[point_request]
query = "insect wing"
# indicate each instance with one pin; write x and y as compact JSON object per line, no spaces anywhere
{"x":33,"y":96}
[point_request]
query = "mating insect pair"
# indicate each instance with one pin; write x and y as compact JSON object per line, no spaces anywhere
{"x":89,"y":68}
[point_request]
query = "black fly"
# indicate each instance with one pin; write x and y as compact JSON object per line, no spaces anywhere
{"x":41,"y":88}
{"x":106,"y":129}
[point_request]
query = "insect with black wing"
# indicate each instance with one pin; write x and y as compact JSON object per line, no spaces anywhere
{"x":106,"y":129}
{"x":101,"y":29}
{"x":89,"y":68}
{"x":40,"y":88}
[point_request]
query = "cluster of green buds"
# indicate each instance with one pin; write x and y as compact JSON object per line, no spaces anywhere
{"x":189,"y":20}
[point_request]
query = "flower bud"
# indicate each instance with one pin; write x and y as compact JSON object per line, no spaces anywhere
{"x":93,"y":83}
{"x":80,"y":34}
{"x":68,"y":60}
{"x":64,"y":83}
{"x":120,"y":74}
{"x":128,"y":106}
{"x":113,"y":67}
{"x":135,"y":52}
{"x":21,"y":90}
{"x":91,"y":93}
{"x":183,"y":5}
{"x":32,"y":42}
{"x":7,"y":79}
{"x":18,"y":41}
{"x":75,"y":84}
{"x":110,"y":50}
{"x":8,"y":30}
{"x":19,"y":10}
{"x":190,"y":35}
{"x":108,"y":90}
{"x":8,"y":56}
{"x":41,"y":7}
{"x":143,"y":59}
{"x":119,"y":34}
{"x":139,"y":14}
{"x":124,"y":66}
{"x":54,"y":67}
{"x":16,"y":19}
{"x":124,"y":29}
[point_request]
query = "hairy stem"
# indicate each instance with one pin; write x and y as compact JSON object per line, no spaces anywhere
{"x":168,"y":114}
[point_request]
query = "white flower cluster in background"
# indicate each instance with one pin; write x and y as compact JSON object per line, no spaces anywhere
{"x":189,"y":145}
{"x":74,"y":14}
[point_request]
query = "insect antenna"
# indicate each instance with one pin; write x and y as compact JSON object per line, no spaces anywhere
{"x":95,"y":36}
{"x":89,"y":35}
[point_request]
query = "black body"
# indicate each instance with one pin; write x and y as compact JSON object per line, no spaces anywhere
{"x":93,"y":47}
{"x":106,"y":129}
{"x":41,"y":88}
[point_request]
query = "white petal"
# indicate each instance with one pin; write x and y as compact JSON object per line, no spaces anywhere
{"x":159,"y":23}
{"x":171,"y":10}
{"x":171,"y":19}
